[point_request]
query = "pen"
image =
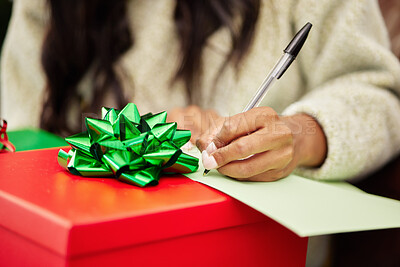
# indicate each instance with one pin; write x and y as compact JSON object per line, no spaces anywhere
{"x":289,"y":55}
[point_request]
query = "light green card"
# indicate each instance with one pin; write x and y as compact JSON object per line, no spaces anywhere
{"x":309,"y":207}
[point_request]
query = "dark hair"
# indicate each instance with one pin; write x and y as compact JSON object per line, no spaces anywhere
{"x":94,"y":34}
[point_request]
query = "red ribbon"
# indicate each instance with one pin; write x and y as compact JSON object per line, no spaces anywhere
{"x":4,"y":138}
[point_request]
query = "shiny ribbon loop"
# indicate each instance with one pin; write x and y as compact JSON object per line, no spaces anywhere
{"x":132,"y":148}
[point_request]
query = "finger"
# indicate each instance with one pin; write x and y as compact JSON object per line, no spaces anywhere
{"x":245,"y":123}
{"x":257,"y":142}
{"x":270,"y":176}
{"x":228,"y":129}
{"x":258,"y":163}
{"x":206,"y":138}
{"x":274,"y":174}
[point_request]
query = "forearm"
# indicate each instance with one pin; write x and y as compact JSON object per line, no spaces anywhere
{"x":360,"y":123}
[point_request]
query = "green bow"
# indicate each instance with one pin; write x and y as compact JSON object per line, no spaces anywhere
{"x":132,"y":148}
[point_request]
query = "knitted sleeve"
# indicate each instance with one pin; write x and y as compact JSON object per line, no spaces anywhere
{"x":352,"y":86}
{"x":22,"y":77}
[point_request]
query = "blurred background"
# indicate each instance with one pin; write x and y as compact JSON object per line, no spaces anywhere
{"x":390,"y":10}
{"x":5,"y":13}
{"x":373,"y":248}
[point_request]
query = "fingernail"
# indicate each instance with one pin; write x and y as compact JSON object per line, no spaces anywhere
{"x":208,"y":161}
{"x":211,"y":148}
{"x":188,"y":146}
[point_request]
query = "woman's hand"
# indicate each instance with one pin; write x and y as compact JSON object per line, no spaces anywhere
{"x":195,"y":119}
{"x":258,"y":145}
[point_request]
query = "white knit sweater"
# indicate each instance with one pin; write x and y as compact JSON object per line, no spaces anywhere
{"x":345,"y":76}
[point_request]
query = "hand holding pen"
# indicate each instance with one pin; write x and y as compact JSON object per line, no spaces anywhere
{"x":257,"y":144}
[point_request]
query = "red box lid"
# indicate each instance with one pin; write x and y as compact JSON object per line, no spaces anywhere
{"x":73,"y":215}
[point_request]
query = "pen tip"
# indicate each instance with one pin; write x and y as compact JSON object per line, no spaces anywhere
{"x":206,"y":172}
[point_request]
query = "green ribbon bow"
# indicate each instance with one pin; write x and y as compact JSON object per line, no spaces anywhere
{"x":132,"y":148}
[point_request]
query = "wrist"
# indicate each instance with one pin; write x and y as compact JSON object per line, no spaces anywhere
{"x":309,"y":141}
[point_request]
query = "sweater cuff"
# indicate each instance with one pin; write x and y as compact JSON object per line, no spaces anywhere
{"x":342,"y":160}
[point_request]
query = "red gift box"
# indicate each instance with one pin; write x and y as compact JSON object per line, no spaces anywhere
{"x":51,"y":217}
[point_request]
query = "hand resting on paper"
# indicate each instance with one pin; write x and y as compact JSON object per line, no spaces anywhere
{"x":258,"y":145}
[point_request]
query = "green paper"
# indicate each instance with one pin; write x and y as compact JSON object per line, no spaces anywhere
{"x":309,"y":207}
{"x":29,"y":139}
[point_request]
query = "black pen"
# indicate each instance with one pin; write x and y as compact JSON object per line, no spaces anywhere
{"x":290,"y":53}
